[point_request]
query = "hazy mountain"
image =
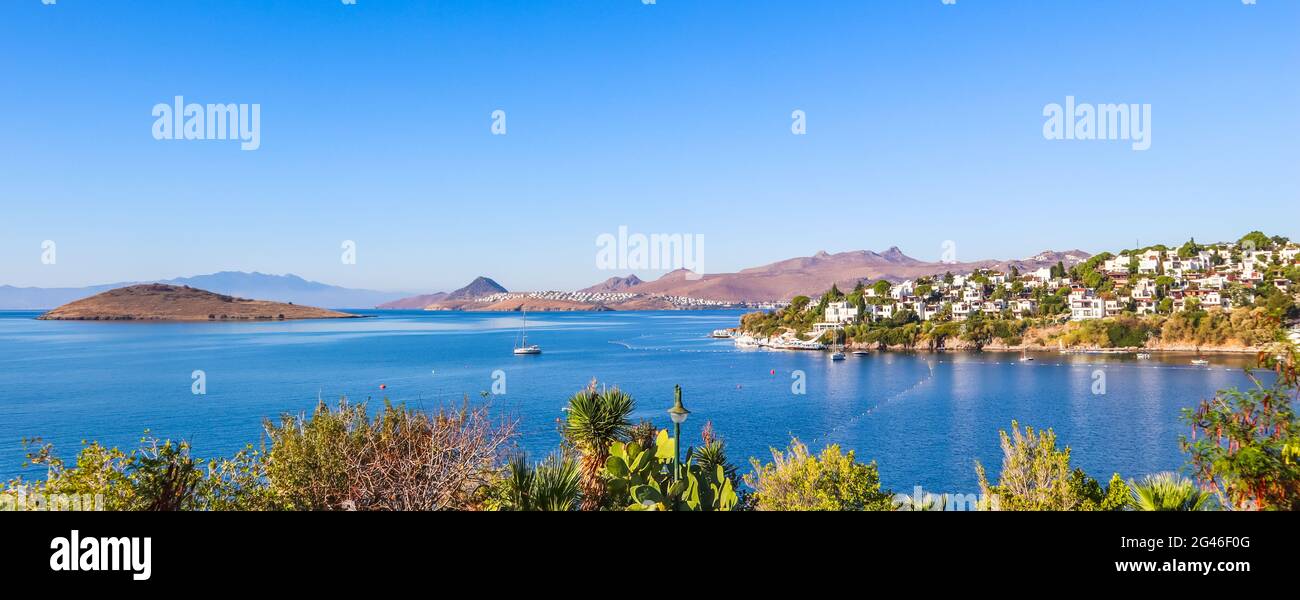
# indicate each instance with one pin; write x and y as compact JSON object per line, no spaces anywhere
{"x":33,"y":298}
{"x":481,"y":286}
{"x":814,"y":274}
{"x":277,"y":288}
{"x":414,"y":302}
{"x":614,"y":284}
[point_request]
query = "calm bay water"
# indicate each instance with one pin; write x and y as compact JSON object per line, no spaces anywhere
{"x":924,"y":417}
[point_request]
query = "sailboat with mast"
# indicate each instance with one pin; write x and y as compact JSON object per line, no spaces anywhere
{"x":837,"y":350}
{"x":522,"y":346}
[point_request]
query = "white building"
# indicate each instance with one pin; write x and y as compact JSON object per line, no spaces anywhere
{"x":1084,"y":305}
{"x":840,"y":312}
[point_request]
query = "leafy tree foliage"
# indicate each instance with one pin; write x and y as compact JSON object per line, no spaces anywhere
{"x":797,"y":480}
{"x":1037,"y":476}
{"x":1243,"y":442}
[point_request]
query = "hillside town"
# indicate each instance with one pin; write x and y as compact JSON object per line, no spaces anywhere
{"x":1154,"y":280}
{"x":1231,"y":296}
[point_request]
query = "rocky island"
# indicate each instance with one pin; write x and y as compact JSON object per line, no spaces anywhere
{"x":162,"y":302}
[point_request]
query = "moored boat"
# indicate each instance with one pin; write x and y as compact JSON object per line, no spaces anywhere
{"x":523,"y":347}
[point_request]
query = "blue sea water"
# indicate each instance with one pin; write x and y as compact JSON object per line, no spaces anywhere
{"x":925,"y":418}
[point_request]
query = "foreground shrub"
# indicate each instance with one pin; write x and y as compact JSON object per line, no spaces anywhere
{"x":597,"y":418}
{"x":1169,"y":492}
{"x":159,"y":475}
{"x":552,"y":485}
{"x":796,"y":480}
{"x":1243,"y":443}
{"x":642,"y":478}
{"x":339,"y":459}
{"x":1037,"y":476}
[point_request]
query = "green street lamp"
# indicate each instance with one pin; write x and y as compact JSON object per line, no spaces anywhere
{"x":678,"y":413}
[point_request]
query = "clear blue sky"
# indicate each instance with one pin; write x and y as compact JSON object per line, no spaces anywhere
{"x":924,"y":125}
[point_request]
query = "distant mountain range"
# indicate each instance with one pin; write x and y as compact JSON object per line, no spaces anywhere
{"x":414,"y":302}
{"x":777,"y":281}
{"x":259,"y":286}
{"x":614,"y":284}
{"x":814,"y":274}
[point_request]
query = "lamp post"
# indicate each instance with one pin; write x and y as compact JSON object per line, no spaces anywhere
{"x":678,"y":413}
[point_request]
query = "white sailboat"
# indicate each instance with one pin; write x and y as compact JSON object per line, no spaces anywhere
{"x":837,"y":350}
{"x":524,"y":347}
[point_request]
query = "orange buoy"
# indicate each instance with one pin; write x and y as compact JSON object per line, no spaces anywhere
{"x":383,"y":386}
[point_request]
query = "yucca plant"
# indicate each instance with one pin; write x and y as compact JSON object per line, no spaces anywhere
{"x":712,"y":453}
{"x":552,"y":485}
{"x":1169,"y":491}
{"x":596,"y":419}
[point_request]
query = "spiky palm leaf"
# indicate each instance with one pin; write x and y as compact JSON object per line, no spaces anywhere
{"x":712,"y":455}
{"x":552,"y":485}
{"x":518,"y":484}
{"x":1169,"y":491}
{"x":596,"y":419}
{"x":556,"y":484}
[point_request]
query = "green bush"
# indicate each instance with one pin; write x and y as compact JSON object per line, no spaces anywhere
{"x":159,"y":475}
{"x":797,"y":481}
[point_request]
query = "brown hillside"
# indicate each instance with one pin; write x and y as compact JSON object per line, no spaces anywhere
{"x":161,"y":302}
{"x":812,"y":275}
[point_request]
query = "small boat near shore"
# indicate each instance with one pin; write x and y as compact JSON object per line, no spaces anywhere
{"x":721,"y":334}
{"x":861,"y":353}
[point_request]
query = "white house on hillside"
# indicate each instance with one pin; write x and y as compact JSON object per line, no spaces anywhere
{"x":840,"y":312}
